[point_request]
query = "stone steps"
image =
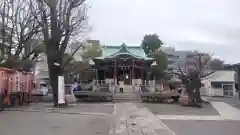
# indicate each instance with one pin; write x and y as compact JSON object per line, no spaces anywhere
{"x":126,"y":97}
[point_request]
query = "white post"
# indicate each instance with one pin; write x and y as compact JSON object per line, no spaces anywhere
{"x":234,"y":90}
{"x":154,"y":84}
{"x":61,"y":90}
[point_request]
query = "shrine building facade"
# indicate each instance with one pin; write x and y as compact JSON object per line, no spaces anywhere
{"x":128,"y":63}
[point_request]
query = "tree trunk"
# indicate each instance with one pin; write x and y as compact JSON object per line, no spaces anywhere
{"x":54,"y":72}
{"x":190,"y":92}
{"x":198,"y":95}
{"x":54,"y":83}
{"x":197,"y":87}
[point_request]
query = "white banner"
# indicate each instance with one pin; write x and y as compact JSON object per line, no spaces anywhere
{"x":61,"y":90}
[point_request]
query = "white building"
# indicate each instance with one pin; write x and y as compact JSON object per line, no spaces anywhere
{"x":183,"y":59}
{"x":220,"y":83}
{"x":177,"y":58}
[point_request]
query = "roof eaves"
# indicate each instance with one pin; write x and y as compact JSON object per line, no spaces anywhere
{"x":126,"y":51}
{"x":111,"y":56}
{"x":98,"y":57}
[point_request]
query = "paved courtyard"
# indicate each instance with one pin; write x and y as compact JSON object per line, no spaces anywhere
{"x":233,"y":101}
{"x":217,"y":118}
{"x":133,"y":120}
{"x":42,"y":123}
{"x":203,"y":127}
{"x":222,"y":117}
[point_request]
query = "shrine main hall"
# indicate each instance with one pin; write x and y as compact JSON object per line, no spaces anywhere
{"x":128,"y":63}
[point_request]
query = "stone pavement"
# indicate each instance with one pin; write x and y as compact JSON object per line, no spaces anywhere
{"x":202,"y":127}
{"x":227,"y":122}
{"x":233,"y":101}
{"x":119,"y":119}
{"x":226,"y":110}
{"x":155,"y":119}
{"x":220,"y":118}
{"x":98,"y":109}
{"x":41,"y":123}
{"x":132,"y":120}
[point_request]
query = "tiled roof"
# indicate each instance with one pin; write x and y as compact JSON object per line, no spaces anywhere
{"x":112,"y":51}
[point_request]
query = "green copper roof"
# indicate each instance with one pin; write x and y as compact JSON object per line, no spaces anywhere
{"x":112,"y":51}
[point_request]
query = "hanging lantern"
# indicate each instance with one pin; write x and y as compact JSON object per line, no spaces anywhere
{"x":126,"y":76}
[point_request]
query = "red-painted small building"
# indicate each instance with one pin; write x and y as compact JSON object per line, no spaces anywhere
{"x":15,"y":86}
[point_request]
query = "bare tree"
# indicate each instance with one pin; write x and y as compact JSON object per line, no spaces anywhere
{"x":192,"y":75}
{"x":18,"y":29}
{"x":61,"y":21}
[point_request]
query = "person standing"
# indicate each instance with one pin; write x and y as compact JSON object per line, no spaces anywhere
{"x":75,"y":86}
{"x":121,"y":86}
{"x":44,"y":89}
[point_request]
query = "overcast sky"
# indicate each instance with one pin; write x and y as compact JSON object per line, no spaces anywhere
{"x":205,"y":25}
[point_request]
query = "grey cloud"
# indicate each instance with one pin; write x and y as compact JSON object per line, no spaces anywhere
{"x":207,"y":25}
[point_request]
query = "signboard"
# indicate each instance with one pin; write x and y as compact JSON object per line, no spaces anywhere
{"x":61,"y":90}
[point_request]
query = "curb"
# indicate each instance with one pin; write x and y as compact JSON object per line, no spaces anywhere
{"x":60,"y":112}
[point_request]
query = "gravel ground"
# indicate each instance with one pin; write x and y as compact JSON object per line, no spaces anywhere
{"x":176,"y":109}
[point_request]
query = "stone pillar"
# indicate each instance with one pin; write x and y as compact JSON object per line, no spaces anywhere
{"x":132,"y":73}
{"x":142,"y":74}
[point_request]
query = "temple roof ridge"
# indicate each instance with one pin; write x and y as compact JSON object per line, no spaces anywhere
{"x":123,"y":50}
{"x":112,"y":51}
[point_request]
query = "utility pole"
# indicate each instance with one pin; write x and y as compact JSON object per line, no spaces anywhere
{"x":238,"y":79}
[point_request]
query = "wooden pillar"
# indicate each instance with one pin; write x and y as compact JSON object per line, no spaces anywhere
{"x":142,"y":74}
{"x":96,"y":71}
{"x":132,"y":74}
{"x":115,"y":72}
{"x":104,"y":75}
